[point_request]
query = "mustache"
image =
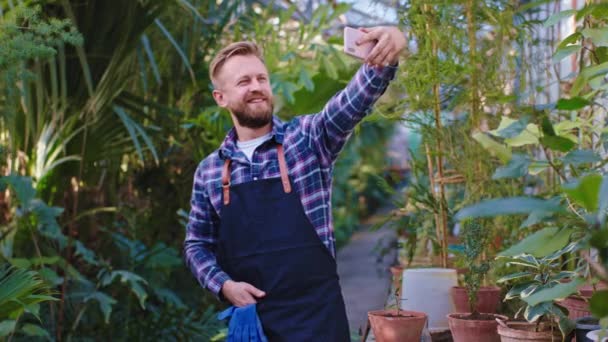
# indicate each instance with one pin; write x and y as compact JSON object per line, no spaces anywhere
{"x":256,"y":94}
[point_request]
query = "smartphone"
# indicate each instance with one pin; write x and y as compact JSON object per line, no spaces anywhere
{"x":351,"y":35}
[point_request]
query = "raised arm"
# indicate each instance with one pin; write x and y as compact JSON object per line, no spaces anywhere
{"x":328,"y":130}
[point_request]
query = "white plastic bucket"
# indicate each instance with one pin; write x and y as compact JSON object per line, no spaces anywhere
{"x":428,"y":290}
{"x":595,"y":336}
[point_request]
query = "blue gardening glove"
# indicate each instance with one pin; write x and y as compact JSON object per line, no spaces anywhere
{"x":245,"y":325}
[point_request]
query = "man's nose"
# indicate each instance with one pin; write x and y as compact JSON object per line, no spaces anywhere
{"x":255,"y":85}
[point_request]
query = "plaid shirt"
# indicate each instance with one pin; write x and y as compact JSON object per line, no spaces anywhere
{"x":311,"y":144}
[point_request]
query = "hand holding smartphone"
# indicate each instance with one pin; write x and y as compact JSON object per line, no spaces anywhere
{"x":351,"y":36}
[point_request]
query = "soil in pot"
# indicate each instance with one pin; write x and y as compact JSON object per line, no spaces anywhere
{"x":476,"y":327}
{"x":524,"y":331}
{"x":488,"y":298}
{"x":585,"y":325}
{"x":390,"y":327}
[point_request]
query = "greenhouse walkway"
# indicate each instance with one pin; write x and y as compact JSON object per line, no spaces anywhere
{"x":364,"y":270}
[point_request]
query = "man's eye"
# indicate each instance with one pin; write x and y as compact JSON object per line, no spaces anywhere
{"x":243,"y":82}
{"x":262,"y":79}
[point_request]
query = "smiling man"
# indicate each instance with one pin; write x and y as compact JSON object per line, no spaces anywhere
{"x":260,"y":228}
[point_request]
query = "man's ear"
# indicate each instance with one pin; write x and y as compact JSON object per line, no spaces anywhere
{"x":219,"y":98}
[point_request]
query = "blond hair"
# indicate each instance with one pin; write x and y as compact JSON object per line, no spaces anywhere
{"x":243,"y":48}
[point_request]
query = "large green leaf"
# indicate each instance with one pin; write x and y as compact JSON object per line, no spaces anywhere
{"x":556,"y":17}
{"x":574,"y":103}
{"x":557,"y":143}
{"x":557,"y":292}
{"x":35,"y":330}
{"x":501,"y":151}
{"x":514,"y":276}
{"x":533,"y":313}
{"x":508,"y":206}
{"x":105,"y":303}
{"x":598,"y":305}
{"x":517,"y":167}
{"x":530,"y":136}
{"x":132,"y":280}
{"x":514,"y":129}
{"x":565,"y":51}
{"x":577,"y":157}
{"x":603,"y":201}
{"x":585,"y":191}
{"x":7,"y":327}
{"x":599,"y":36}
{"x":540,"y":243}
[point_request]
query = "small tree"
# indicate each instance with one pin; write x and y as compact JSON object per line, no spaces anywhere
{"x":475,"y":240}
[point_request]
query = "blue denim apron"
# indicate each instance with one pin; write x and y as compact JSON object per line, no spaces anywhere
{"x":266,"y":240}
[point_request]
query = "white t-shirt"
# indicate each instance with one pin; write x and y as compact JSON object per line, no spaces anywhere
{"x":250,"y":145}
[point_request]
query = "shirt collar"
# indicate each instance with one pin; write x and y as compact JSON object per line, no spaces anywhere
{"x":228,"y":147}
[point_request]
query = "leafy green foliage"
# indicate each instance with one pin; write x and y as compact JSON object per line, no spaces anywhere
{"x":541,"y":285}
{"x":475,"y":241}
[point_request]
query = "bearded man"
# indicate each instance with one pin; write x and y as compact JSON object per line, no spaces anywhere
{"x":260,"y":226}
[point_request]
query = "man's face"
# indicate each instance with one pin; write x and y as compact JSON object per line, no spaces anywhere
{"x":243,"y":87}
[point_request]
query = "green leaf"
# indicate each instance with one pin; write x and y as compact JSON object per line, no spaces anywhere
{"x":540,"y":243}
{"x":571,"y":39}
{"x":573,"y":103}
{"x":513,"y":129}
{"x":557,"y":292}
{"x":516,"y":290}
{"x":35,"y":330}
{"x":86,"y":254}
{"x":50,"y":276}
{"x":557,"y":143}
{"x":536,"y":217}
{"x":517,"y":167}
{"x":130,"y":278}
{"x":578,"y":157}
{"x":603,"y":201}
{"x":7,"y":327}
{"x":514,"y":276}
{"x":597,"y":304}
{"x":105,"y":303}
{"x":563,"y":52}
{"x":23,"y":188}
{"x":502,"y":152}
{"x":585,"y":191}
{"x":508,"y":206}
{"x":533,"y":313}
{"x":547,"y":127}
{"x":599,"y":36}
{"x":528,"y":137}
{"x":556,"y":17}
{"x":602,"y":54}
{"x":305,"y":80}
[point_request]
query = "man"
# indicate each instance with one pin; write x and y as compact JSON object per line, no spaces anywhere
{"x":260,"y":228}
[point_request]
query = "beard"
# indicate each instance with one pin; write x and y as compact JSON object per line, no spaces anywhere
{"x":256,"y":115}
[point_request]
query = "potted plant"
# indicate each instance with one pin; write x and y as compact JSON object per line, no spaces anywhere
{"x":540,"y":285}
{"x":471,"y":324}
{"x":395,"y":324}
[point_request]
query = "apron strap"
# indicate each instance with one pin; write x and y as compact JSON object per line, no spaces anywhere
{"x":226,"y":181}
{"x":282,"y":169}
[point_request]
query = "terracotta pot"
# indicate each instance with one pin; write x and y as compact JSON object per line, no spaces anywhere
{"x":577,"y":307}
{"x":524,"y":331}
{"x":397,"y":272}
{"x":466,"y":330}
{"x":488,"y":298}
{"x":407,"y":327}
